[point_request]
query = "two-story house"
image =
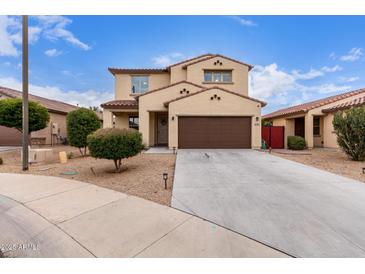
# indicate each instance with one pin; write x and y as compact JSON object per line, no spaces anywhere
{"x":202,"y":102}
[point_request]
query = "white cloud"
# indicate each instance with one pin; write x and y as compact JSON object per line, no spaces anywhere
{"x":333,"y":69}
{"x":281,"y":87}
{"x":82,"y":98}
{"x":266,"y":81}
{"x":243,"y":21}
{"x":332,"y":56}
{"x":53,"y":52}
{"x":313,"y":73}
{"x":167,"y":59}
{"x":353,"y":55}
{"x":349,"y":79}
{"x":54,"y":28}
{"x":50,"y":27}
{"x":329,"y":88}
{"x":9,"y":29}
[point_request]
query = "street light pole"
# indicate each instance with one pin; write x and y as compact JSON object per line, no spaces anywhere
{"x":25,"y":91}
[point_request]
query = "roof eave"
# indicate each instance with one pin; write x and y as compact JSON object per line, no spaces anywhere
{"x":285,"y":114}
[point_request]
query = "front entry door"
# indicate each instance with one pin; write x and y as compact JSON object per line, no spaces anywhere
{"x":299,"y":127}
{"x":162,"y":128}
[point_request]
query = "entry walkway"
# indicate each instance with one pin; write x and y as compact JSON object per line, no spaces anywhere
{"x":43,"y":216}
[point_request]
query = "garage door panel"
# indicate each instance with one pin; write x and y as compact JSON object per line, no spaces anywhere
{"x":214,"y":132}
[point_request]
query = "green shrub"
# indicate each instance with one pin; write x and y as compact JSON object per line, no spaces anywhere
{"x":11,"y":114}
{"x":70,"y":155}
{"x":115,"y":144}
{"x":1,"y":161}
{"x":80,"y":123}
{"x":349,"y":126}
{"x":296,"y":143}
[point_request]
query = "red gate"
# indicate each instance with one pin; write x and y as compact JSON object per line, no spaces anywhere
{"x":273,"y":136}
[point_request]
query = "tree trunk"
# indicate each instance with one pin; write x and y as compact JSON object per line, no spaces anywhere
{"x":118,"y":165}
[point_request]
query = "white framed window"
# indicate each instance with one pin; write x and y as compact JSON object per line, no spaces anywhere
{"x":139,"y":83}
{"x":216,"y":76}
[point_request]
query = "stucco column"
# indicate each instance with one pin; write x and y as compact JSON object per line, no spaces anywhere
{"x":308,"y":123}
{"x":107,"y":119}
{"x":288,"y":130}
{"x":144,"y":127}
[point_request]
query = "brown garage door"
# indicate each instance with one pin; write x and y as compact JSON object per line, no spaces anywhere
{"x":10,"y":136}
{"x":214,"y":132}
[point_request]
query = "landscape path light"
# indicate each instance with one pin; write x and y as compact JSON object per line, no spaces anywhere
{"x":165,"y":177}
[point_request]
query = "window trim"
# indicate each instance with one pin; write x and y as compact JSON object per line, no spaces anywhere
{"x":221,"y":71}
{"x":140,"y":75}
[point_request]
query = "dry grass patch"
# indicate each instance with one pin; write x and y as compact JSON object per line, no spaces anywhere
{"x":141,"y":175}
{"x":331,"y":160}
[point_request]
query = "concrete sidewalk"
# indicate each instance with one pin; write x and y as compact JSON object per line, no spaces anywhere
{"x":44,"y":216}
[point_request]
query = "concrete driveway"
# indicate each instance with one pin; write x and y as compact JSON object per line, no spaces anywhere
{"x":303,"y":211}
{"x":43,"y":216}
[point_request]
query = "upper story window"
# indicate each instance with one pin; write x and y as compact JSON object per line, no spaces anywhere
{"x":139,"y":84}
{"x":217,"y":76}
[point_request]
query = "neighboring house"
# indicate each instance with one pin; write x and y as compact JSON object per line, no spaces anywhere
{"x":202,"y":102}
{"x":54,"y":133}
{"x":313,"y":120}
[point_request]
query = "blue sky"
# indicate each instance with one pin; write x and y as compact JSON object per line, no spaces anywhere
{"x":296,"y":58}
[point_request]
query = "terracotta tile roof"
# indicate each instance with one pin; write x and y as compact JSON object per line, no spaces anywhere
{"x":164,"y":70}
{"x":346,"y":105}
{"x":191,"y":59}
{"x":311,"y":105}
{"x":174,"y":84}
{"x":217,"y":55}
{"x":51,"y":105}
{"x":215,"y":87}
{"x":137,"y":70}
{"x":120,"y":104}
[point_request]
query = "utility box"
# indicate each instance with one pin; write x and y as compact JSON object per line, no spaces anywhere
{"x":54,"y":129}
{"x":37,"y":155}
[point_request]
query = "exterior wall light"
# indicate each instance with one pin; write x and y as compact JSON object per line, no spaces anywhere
{"x":363,"y":170}
{"x":172,"y":118}
{"x":165,"y":176}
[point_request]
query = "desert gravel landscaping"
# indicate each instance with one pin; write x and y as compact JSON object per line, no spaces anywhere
{"x":332,"y":160}
{"x":141,"y":175}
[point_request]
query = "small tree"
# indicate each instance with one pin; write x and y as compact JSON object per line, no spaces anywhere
{"x":349,"y":126}
{"x":11,"y":115}
{"x":80,"y":123}
{"x":115,"y":144}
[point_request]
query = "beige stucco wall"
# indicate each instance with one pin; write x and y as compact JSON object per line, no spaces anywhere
{"x":179,"y":74}
{"x":154,"y":102}
{"x":195,"y":74}
{"x":123,"y":84}
{"x":327,"y":132}
{"x":60,"y":120}
{"x":107,"y":118}
{"x":329,"y":136}
{"x":201,"y":104}
{"x":121,"y":120}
